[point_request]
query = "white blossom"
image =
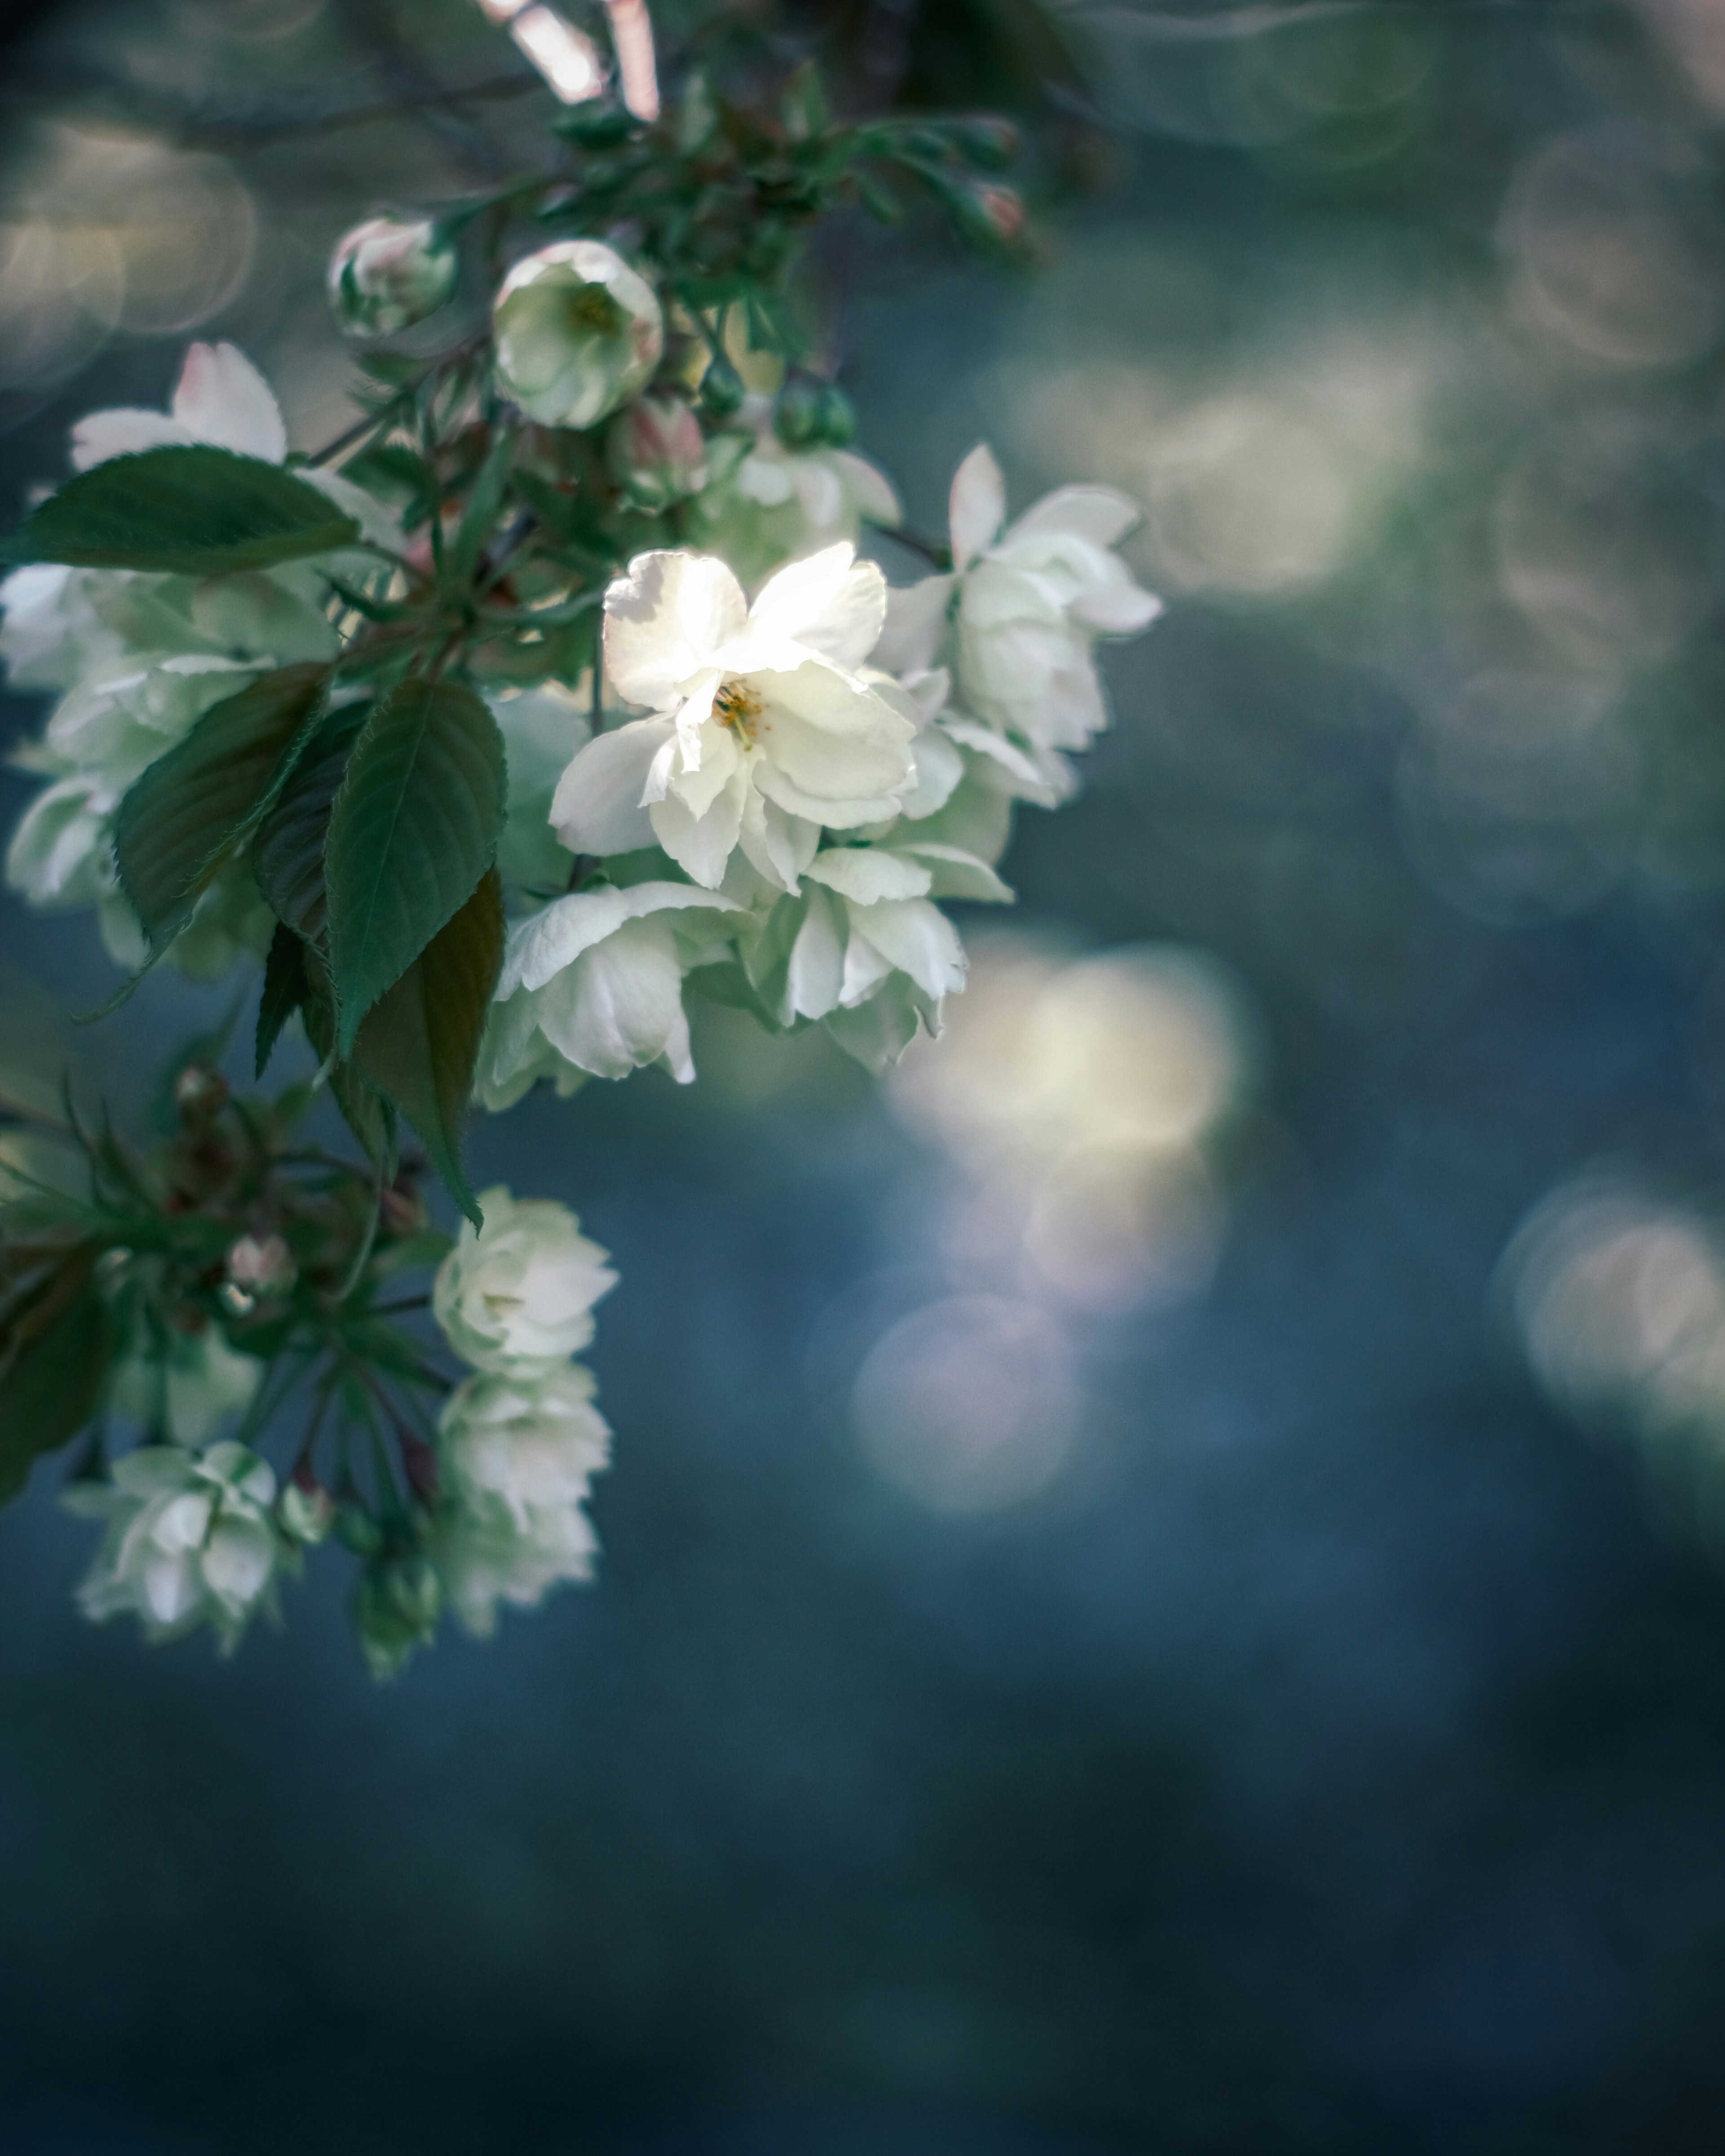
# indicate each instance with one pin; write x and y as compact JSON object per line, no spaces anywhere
{"x":592,"y":986}
{"x":578,"y":333}
{"x":865,"y":948}
{"x":1019,"y":617}
{"x":765,"y":504}
{"x":190,"y":1539}
{"x":389,"y":273}
{"x":519,"y":1293}
{"x":220,"y":400}
{"x":518,"y":1455}
{"x":762,"y":732}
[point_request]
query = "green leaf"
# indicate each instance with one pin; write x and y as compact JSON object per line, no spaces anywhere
{"x":287,"y":853}
{"x":193,"y":805}
{"x":284,"y":991}
{"x":365,"y":1111}
{"x":190,"y":511}
{"x":52,"y":1368}
{"x":413,"y":829}
{"x":419,"y":1045}
{"x":483,"y":504}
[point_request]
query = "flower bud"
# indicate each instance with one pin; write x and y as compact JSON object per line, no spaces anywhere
{"x":577,"y":332}
{"x":262,"y":1264}
{"x":396,"y":1610}
{"x":657,"y":451}
{"x":796,"y":417}
{"x":305,"y":1512}
{"x":838,"y":418}
{"x":721,"y":390}
{"x":387,"y":275}
{"x":988,"y":143}
{"x":991,"y":216}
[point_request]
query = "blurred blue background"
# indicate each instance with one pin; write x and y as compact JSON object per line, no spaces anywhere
{"x":1161,"y":1584}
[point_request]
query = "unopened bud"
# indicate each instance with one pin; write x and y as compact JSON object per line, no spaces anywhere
{"x":797,"y":416}
{"x":838,"y":417}
{"x":990,"y":144}
{"x":657,"y":451}
{"x":262,"y":1264}
{"x":992,"y":217}
{"x":200,"y":1092}
{"x":306,"y":1510}
{"x":387,"y":274}
{"x":721,"y":390}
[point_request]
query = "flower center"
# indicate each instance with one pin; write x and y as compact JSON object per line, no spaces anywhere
{"x":737,"y":707}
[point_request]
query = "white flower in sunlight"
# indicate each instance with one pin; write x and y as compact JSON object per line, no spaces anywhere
{"x":765,"y":504}
{"x":189,"y":1540}
{"x":762,"y":733}
{"x":578,"y":333}
{"x":865,"y":948}
{"x":592,"y":986}
{"x":518,"y":1456}
{"x":520,"y":1291}
{"x":1021,"y":612}
{"x":387,"y":274}
{"x":186,"y":1387}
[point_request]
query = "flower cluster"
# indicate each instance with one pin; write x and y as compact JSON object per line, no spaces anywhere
{"x":562,"y":686}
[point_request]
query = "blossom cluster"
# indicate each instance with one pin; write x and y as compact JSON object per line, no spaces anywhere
{"x":689,"y":740}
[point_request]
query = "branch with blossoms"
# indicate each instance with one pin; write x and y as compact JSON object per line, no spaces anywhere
{"x":553,"y":694}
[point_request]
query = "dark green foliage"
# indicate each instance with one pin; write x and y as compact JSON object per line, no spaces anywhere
{"x":287,"y":853}
{"x":413,"y":829}
{"x":57,"y":1342}
{"x":419,"y":1045}
{"x":192,"y":511}
{"x":284,"y":989}
{"x":193,"y":806}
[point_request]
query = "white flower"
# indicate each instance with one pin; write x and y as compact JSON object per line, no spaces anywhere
{"x":62,"y":852}
{"x":592,"y":985}
{"x":1021,"y":613}
{"x":762,"y":733}
{"x":578,"y":333}
{"x":185,"y":1386}
{"x":189,"y":1539}
{"x":518,"y":1456}
{"x":765,"y":504}
{"x":521,"y":1291}
{"x":387,"y":274}
{"x":865,"y":948}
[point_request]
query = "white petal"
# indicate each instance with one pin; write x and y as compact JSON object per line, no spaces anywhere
{"x":779,"y":845}
{"x":867,"y":873}
{"x":916,"y":626}
{"x":121,"y":433}
{"x":978,"y":505}
{"x":816,"y":975}
{"x":918,"y":939}
{"x":956,"y":874}
{"x":871,"y":491}
{"x":221,"y":398}
{"x":627,"y":1009}
{"x":1102,"y":515}
{"x":939,"y":768}
{"x":878,"y":1031}
{"x":598,"y":806}
{"x":831,"y":603}
{"x":701,"y":845}
{"x":541,"y":946}
{"x":864,"y":970}
{"x":664,"y":622}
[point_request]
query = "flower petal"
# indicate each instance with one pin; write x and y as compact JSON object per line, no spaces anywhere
{"x":597,"y":805}
{"x":978,"y":505}
{"x":221,"y":399}
{"x":918,"y":939}
{"x":867,"y":873}
{"x":830,"y":603}
{"x":701,"y":845}
{"x":1102,"y":515}
{"x":121,"y":433}
{"x":665,"y":620}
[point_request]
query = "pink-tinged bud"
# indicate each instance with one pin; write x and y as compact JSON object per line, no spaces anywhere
{"x":657,"y":451}
{"x":261,"y":1265}
{"x":387,"y":274}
